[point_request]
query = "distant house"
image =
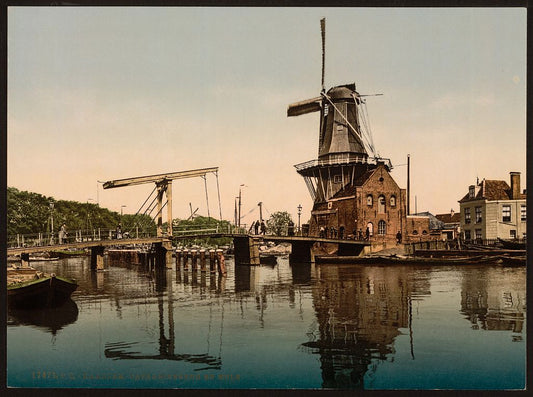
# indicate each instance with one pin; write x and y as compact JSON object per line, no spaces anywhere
{"x":493,"y":209}
{"x":423,"y":226}
{"x":451,"y":228}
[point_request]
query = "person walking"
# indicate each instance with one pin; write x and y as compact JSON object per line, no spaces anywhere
{"x":63,"y":233}
{"x":399,"y":237}
{"x":256,"y":226}
{"x":263,"y":228}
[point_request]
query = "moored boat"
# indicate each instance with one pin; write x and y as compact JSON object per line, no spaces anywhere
{"x":405,"y":260}
{"x":29,"y":288}
{"x":512,"y":245}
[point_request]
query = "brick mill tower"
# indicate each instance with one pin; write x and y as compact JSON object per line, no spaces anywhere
{"x":341,"y":179}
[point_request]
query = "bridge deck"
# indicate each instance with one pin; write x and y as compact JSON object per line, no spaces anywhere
{"x":86,"y":244}
{"x":149,"y":240}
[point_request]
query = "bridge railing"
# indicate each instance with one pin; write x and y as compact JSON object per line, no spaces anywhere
{"x":73,"y":236}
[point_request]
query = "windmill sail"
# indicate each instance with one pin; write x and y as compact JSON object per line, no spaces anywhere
{"x":303,"y":107}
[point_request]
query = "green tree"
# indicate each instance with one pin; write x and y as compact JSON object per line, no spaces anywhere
{"x":278,"y":222}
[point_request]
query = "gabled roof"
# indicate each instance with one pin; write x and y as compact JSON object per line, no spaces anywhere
{"x":434,"y":222}
{"x":492,"y":190}
{"x":449,"y":218}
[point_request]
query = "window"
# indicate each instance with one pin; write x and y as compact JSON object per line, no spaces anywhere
{"x":393,"y":201}
{"x":512,"y":234}
{"x":369,"y":200}
{"x":467,"y":235}
{"x":478,"y":215}
{"x":381,"y":204}
{"x":467,"y":215}
{"x":415,"y":232}
{"x":337,"y":179}
{"x":523,"y":212}
{"x":424,"y":232}
{"x":326,"y":110}
{"x":471,"y":191}
{"x":382,"y":227}
{"x":478,"y":234}
{"x":506,"y":213}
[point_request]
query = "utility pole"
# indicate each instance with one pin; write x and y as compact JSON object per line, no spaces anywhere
{"x":260,"y":204}
{"x":239,"y":218}
{"x":299,"y":213}
{"x":408,"y":182}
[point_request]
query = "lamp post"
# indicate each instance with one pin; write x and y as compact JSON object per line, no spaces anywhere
{"x":122,"y":206}
{"x":88,"y":217}
{"x":51,"y":223}
{"x":299,"y":213}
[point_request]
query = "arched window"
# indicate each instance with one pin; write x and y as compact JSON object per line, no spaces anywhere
{"x":415,"y":231}
{"x":369,"y":200}
{"x":424,"y":232}
{"x":381,"y":204}
{"x":382,"y":227}
{"x":393,"y":201}
{"x":370,"y":228}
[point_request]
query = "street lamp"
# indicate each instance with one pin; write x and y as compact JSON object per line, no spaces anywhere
{"x":299,"y":213}
{"x":122,"y":206}
{"x":51,"y":223}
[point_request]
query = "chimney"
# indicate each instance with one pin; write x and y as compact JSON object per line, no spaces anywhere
{"x":515,"y":185}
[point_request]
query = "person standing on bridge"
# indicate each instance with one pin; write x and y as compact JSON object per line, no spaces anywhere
{"x":263,"y":228}
{"x":256,"y":227}
{"x":119,"y":231}
{"x":63,"y":233}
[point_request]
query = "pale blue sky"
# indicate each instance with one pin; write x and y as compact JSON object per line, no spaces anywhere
{"x":108,"y":93}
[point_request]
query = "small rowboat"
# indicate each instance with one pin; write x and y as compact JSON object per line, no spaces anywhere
{"x":29,"y":288}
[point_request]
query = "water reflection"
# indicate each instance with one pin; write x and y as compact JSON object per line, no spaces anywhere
{"x":493,"y":305}
{"x":347,"y":320}
{"x":48,"y":319}
{"x":360,"y":311}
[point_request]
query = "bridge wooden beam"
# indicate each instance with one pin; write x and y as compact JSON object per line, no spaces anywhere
{"x":158,"y":178}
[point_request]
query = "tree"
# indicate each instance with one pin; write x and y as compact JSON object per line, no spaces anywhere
{"x":279,"y":222}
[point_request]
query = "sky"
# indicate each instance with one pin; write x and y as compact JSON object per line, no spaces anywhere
{"x":104,"y":93}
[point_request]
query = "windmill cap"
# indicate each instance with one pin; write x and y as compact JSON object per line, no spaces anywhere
{"x":342,"y":91}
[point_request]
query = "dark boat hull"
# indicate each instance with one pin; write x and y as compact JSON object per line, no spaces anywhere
{"x":512,"y":245}
{"x":43,"y":292}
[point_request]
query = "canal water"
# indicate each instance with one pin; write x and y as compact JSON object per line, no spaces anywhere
{"x":282,"y":326}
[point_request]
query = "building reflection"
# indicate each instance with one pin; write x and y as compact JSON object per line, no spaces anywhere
{"x":360,"y":311}
{"x":490,"y":305}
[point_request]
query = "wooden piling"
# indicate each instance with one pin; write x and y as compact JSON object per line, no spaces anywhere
{"x":178,"y":259}
{"x":194,"y":260}
{"x":212,"y":261}
{"x":185,"y":257}
{"x":202,"y":261}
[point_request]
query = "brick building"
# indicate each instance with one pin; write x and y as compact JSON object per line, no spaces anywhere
{"x":373,"y":201}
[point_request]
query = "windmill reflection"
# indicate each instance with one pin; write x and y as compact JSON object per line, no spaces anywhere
{"x":360,"y":311}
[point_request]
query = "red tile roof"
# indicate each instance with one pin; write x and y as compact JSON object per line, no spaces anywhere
{"x":492,"y":190}
{"x":449,"y":218}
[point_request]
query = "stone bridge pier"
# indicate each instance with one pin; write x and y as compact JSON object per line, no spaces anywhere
{"x":97,"y":257}
{"x":302,"y":252}
{"x":246,"y":250}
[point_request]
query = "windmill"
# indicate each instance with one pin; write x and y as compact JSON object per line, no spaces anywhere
{"x":345,"y":149}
